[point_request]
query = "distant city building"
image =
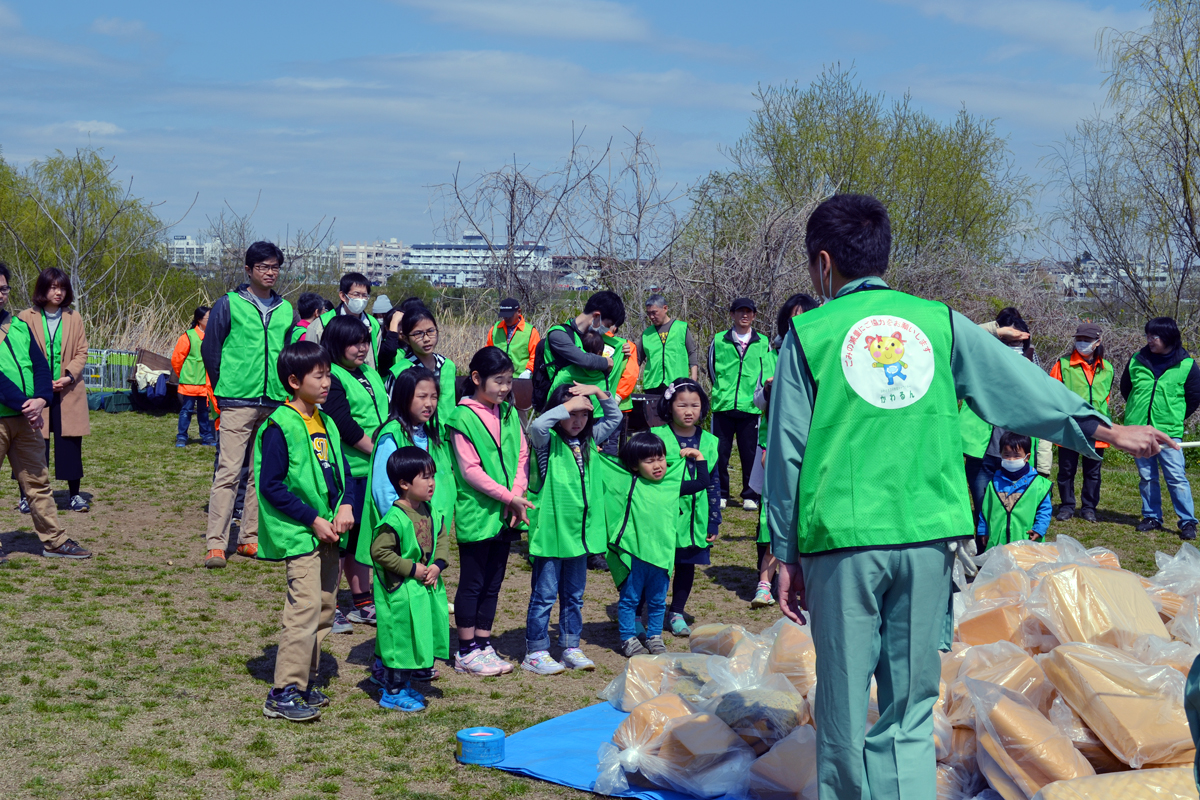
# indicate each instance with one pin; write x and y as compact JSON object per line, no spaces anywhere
{"x":468,"y":262}
{"x":376,"y":260}
{"x":1088,"y":277}
{"x":184,"y":251}
{"x":204,"y":259}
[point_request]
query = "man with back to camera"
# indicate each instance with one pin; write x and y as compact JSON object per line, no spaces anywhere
{"x":666,"y":350}
{"x":247,"y":330}
{"x":865,"y":486}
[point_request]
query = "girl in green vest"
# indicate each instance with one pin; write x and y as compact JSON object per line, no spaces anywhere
{"x":491,"y":474}
{"x":193,"y":382}
{"x":567,"y":521}
{"x":409,"y":550}
{"x":1016,"y":503}
{"x":419,"y":331}
{"x":358,"y":405}
{"x":685,"y":404}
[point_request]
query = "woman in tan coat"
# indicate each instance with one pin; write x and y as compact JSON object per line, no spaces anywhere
{"x":58,"y":330}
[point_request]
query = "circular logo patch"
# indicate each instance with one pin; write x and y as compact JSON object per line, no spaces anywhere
{"x":888,"y":361}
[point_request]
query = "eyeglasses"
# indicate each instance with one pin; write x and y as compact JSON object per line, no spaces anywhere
{"x":426,"y":334}
{"x":359,"y":295}
{"x":1153,"y":338}
{"x":267,"y":269}
{"x":5,"y":289}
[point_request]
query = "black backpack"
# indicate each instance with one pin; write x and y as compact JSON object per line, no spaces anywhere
{"x":541,"y":378}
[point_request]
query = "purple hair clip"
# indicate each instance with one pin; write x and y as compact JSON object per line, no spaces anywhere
{"x":669,"y":393}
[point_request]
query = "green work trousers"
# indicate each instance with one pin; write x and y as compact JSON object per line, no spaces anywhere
{"x":877,"y":612}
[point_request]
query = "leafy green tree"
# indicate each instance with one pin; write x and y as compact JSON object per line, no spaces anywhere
{"x":405,"y":283}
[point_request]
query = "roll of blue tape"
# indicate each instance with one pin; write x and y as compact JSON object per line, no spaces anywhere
{"x":482,"y":746}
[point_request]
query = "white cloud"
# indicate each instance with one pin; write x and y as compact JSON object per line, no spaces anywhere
{"x":1064,"y":25}
{"x":590,"y":20}
{"x":126,"y":30}
{"x":92,"y":127}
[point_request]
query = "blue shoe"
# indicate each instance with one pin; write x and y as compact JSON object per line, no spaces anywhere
{"x":403,"y":699}
{"x":210,"y":443}
{"x":289,"y":704}
{"x":181,"y":442}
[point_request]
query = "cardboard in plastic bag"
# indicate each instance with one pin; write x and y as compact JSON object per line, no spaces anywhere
{"x":1185,"y":626}
{"x":1005,"y":619}
{"x":1135,"y":709}
{"x":642,"y":678}
{"x":1020,"y":750}
{"x":645,"y":724}
{"x":761,"y":715}
{"x":699,"y":755}
{"x":943,"y":734}
{"x":1167,"y":603}
{"x":794,"y":656}
{"x":1027,"y":554}
{"x":1096,"y":606}
{"x":788,"y":771}
{"x":952,"y":661}
{"x":716,"y":639}
{"x":1085,"y":740}
{"x":1144,"y":784}
{"x":1001,"y":663}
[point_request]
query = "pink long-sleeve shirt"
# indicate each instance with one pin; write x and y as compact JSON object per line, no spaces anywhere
{"x":472,"y":467}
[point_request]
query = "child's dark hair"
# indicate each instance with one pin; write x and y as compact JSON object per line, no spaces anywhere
{"x":672,"y":392}
{"x":407,"y":463}
{"x":1010,"y":317}
{"x":639,"y":447}
{"x":1165,"y":329}
{"x":403,"y":390}
{"x":593,"y":343}
{"x":299,"y":359}
{"x":341,"y":332}
{"x":1016,"y":441}
{"x":310,"y":303}
{"x":198,"y":314}
{"x":806,"y":302}
{"x":487,"y":361}
{"x":610,"y":306}
{"x":559,"y":396}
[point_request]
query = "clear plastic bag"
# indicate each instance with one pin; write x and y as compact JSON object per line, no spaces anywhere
{"x":1145,"y":784}
{"x":1020,"y":750}
{"x":1006,"y":619}
{"x":1185,"y":627}
{"x":1096,"y":606}
{"x":643,"y":677}
{"x":956,"y":782}
{"x":638,"y":736}
{"x":1001,"y":663}
{"x":1179,"y":573}
{"x":1159,"y":652}
{"x":763,"y":714}
{"x":794,"y":656}
{"x":716,"y":639}
{"x":699,"y":755}
{"x":1167,"y":602}
{"x":1085,"y":740}
{"x":1135,"y":709}
{"x":788,"y":771}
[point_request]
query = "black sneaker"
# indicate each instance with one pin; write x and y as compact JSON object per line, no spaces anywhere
{"x":1088,"y":515}
{"x":289,"y":704}
{"x":597,"y":562}
{"x":1187,"y":531}
{"x":1065,"y":513}
{"x":1149,"y":524}
{"x":315,"y":697}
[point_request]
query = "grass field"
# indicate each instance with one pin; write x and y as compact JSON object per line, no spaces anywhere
{"x":139,"y":674}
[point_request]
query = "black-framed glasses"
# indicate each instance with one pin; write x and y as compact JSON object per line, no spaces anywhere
{"x":426,"y":334}
{"x":267,"y":269}
{"x":5,"y":289}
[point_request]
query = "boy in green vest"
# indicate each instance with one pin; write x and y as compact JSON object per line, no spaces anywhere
{"x":739,"y":360}
{"x":1087,"y":374}
{"x":516,"y":336}
{"x":1016,"y":504}
{"x":864,"y":480}
{"x":1161,"y":385}
{"x":247,"y":330}
{"x":301,"y":485}
{"x":667,"y":350}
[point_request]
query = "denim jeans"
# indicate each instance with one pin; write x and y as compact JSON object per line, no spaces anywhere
{"x":644,"y":581}
{"x":564,"y":578}
{"x":1171,"y":462}
{"x":199,"y":407}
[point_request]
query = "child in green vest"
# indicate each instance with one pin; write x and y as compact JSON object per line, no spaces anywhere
{"x":358,"y":405}
{"x":567,"y":523}
{"x":193,"y":382}
{"x":1016,"y":504}
{"x":685,"y":404}
{"x":420,"y":332}
{"x":409,"y":552}
{"x":491,"y":473}
{"x":301,"y":480}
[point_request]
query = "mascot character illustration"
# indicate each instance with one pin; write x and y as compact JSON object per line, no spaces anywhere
{"x":887,"y":352}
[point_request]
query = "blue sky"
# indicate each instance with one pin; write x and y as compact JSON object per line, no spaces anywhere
{"x":353,"y":109}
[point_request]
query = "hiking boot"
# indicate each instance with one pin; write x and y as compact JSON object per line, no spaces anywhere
{"x":362,"y":615}
{"x":476,"y":662}
{"x":539,"y":662}
{"x":340,"y":623}
{"x":68,"y":549}
{"x":505,"y":665}
{"x":749,"y":505}
{"x":1149,"y":524}
{"x":215,"y":559}
{"x":597,"y":562}
{"x":79,"y":504}
{"x":1187,"y":531}
{"x":249,"y":550}
{"x":1088,"y":515}
{"x":1065,"y":513}
{"x":679,"y":626}
{"x":633,"y":647}
{"x":289,"y":704}
{"x":315,"y":697}
{"x":23,"y":506}
{"x":655,"y":645}
{"x":574,"y":658}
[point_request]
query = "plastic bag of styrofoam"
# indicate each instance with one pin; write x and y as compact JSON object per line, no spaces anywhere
{"x":1095,"y":605}
{"x":1179,"y":573}
{"x":1085,"y":740}
{"x":1142,"y":784}
{"x":957,"y":782}
{"x":761,"y":714}
{"x":1020,"y":750}
{"x":943,"y":735}
{"x":1166,"y":602}
{"x":1156,"y":651}
{"x":1185,"y":627}
{"x":644,"y":675}
{"x":638,"y":735}
{"x":1001,"y":663}
{"x":699,"y":755}
{"x":768,"y":636}
{"x":788,"y":771}
{"x":794,"y":655}
{"x":718,"y":639}
{"x":1005,"y":619}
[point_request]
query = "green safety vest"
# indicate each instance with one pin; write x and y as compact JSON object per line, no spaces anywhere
{"x":447,"y":377}
{"x":15,"y":362}
{"x":478,"y":517}
{"x":250,"y":353}
{"x":567,"y":519}
{"x":634,"y":518}
{"x":692,"y":526}
{"x":665,"y":360}
{"x":53,"y":346}
{"x":444,"y":492}
{"x":296,"y":333}
{"x":883,"y":464}
{"x":571,"y":373}
{"x":373,"y":325}
{"x":975,"y":433}
{"x":1006,"y":526}
{"x":1097,"y":391}
{"x":192,"y":372}
{"x":773,"y":359}
{"x":736,"y":376}
{"x":516,"y":348}
{"x":280,"y":536}
{"x":414,"y":623}
{"x":1158,"y":401}
{"x":368,"y":409}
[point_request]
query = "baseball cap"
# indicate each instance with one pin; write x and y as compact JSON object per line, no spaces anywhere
{"x":742,"y":302}
{"x":1089,"y":329}
{"x":508,"y":306}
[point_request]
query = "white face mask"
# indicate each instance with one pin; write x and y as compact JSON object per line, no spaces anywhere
{"x":356,"y":305}
{"x":1086,"y":348}
{"x":1018,"y":348}
{"x":1012,"y":464}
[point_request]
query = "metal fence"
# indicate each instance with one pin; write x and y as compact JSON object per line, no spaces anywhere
{"x":108,"y":370}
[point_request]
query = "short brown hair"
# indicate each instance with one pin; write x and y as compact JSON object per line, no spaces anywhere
{"x":48,"y":279}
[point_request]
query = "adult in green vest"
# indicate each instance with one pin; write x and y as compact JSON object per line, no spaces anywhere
{"x":516,"y":336}
{"x":419,"y":329}
{"x":193,"y":382}
{"x":865,"y":487}
{"x":739,"y":361}
{"x":358,"y":405}
{"x":563,"y":347}
{"x":1016,"y":505}
{"x":667,"y":349}
{"x":1085,"y":372}
{"x":1161,"y":385}
{"x":354,"y":292}
{"x":247,"y":330}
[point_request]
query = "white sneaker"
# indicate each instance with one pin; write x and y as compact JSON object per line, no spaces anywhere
{"x":491,"y":655}
{"x":749,"y":505}
{"x":539,"y":662}
{"x":476,"y":662}
{"x":574,"y":658}
{"x":722,"y":502}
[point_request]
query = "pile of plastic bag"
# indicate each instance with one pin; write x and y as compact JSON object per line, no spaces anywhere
{"x":1065,"y":682}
